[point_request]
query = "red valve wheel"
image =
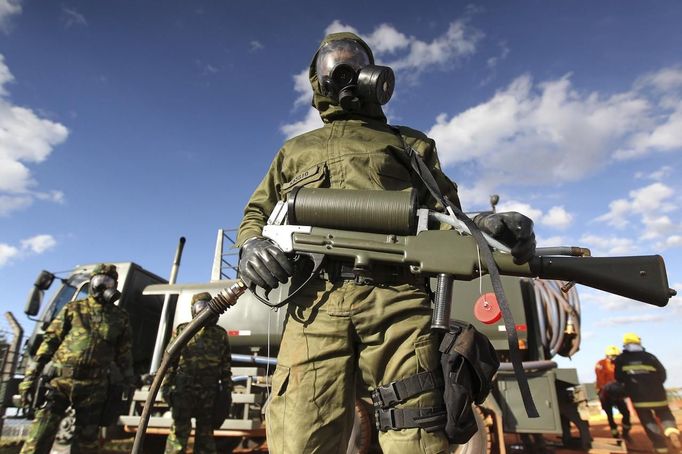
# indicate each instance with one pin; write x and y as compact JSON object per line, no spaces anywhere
{"x":486,"y":309}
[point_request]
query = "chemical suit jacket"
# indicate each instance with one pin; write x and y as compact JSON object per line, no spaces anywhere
{"x":351,"y":151}
{"x":204,"y":361}
{"x":87,"y":337}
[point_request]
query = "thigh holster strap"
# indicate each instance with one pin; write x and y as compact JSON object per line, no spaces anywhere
{"x":429,"y":419}
{"x":400,"y":390}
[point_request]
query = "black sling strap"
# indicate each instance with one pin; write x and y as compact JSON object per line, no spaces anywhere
{"x":418,"y":166}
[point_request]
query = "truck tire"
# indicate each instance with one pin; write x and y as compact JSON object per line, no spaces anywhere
{"x":481,"y":442}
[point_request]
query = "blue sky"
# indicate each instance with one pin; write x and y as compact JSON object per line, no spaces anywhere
{"x":125,"y":125}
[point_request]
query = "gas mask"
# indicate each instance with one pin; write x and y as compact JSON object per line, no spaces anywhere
{"x":345,"y":75}
{"x":103,"y":289}
{"x":200,"y":306}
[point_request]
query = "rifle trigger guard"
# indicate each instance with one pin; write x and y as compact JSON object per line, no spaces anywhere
{"x":317,"y":259}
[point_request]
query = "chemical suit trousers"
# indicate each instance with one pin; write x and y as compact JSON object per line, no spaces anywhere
{"x":87,"y":398}
{"x":339,"y":334}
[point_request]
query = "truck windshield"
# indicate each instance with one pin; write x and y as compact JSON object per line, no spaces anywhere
{"x":64,"y":296}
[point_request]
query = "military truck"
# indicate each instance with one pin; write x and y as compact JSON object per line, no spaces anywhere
{"x":547,"y":322}
{"x":144,"y":312}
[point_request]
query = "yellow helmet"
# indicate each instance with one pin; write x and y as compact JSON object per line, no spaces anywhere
{"x":631,"y":338}
{"x":612,"y":350}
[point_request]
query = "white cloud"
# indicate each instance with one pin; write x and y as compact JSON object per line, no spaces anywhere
{"x":607,"y":302}
{"x":302,"y":87}
{"x":71,"y":17}
{"x":551,"y":132}
{"x":34,"y":245}
{"x":39,"y":243}
{"x":550,"y":241}
{"x":608,"y":245}
{"x":557,"y":217}
{"x":647,"y":205}
{"x":311,"y":121}
{"x":255,"y":46}
{"x":657,"y":175}
{"x":7,"y":253}
{"x":25,"y":138}
{"x":459,"y":41}
{"x":8,"y":8}
{"x":386,"y":39}
{"x":11,"y":203}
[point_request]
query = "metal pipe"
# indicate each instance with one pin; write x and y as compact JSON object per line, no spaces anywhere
{"x":163,"y":321}
{"x":263,"y":360}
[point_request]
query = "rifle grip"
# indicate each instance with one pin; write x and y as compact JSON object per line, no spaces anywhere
{"x":441,"y":302}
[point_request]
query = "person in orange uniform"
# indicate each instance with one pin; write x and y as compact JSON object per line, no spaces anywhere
{"x":612,"y":393}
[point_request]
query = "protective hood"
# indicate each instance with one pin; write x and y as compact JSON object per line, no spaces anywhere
{"x":329,"y":109}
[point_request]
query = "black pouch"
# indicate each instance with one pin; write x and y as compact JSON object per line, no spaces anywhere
{"x":469,"y":363}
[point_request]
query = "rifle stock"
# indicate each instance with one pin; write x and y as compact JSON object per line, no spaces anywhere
{"x":642,"y":278}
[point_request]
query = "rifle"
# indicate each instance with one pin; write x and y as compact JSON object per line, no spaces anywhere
{"x":372,"y":218}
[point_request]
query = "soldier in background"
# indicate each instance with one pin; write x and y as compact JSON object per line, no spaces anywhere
{"x":643,"y":376}
{"x":192,"y":385}
{"x":612,"y":393}
{"x":82,"y":341}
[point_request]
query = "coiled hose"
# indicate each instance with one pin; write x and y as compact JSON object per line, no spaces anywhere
{"x":558,"y":317}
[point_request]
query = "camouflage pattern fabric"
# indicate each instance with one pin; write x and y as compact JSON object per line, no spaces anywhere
{"x":191,"y":387}
{"x":108,"y":269}
{"x":336,"y":331}
{"x":82,"y":342}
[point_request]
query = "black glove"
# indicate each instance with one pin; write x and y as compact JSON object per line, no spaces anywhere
{"x":512,"y":229}
{"x":263,"y":263}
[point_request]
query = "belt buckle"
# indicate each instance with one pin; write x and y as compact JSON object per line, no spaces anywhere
{"x":390,"y":417}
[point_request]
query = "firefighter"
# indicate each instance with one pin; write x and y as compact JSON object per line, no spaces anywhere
{"x":193,"y":384}
{"x":643,"y":376}
{"x":611,"y":392}
{"x":345,"y":326}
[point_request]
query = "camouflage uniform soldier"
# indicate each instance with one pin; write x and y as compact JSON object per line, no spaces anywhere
{"x":341,"y":328}
{"x":191,"y":386}
{"x":82,"y":342}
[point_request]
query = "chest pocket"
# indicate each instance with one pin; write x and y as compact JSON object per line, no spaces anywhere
{"x":389,"y":173}
{"x":314,"y":177}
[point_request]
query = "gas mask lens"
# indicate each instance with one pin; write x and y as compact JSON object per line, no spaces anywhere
{"x":344,"y":51}
{"x":102,"y":281}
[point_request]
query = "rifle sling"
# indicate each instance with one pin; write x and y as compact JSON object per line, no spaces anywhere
{"x":418,"y":166}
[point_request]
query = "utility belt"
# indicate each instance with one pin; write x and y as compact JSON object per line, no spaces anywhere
{"x":378,"y":274}
{"x":80,"y":372}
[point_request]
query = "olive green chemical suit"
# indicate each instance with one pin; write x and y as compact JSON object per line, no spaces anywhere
{"x":338,"y":330}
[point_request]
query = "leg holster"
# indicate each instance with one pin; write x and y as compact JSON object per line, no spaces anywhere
{"x":387,"y":396}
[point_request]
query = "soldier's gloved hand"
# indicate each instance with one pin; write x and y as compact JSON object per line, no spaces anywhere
{"x":512,"y":229}
{"x":263,"y":263}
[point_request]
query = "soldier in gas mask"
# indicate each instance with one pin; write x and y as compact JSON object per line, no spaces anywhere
{"x":345,"y":328}
{"x":198,"y":384}
{"x":81,"y":343}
